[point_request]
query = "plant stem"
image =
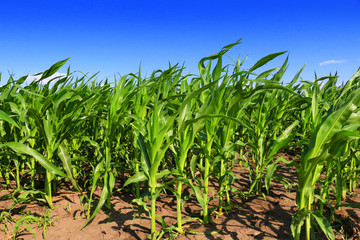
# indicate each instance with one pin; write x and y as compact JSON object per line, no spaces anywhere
{"x":48,"y":189}
{"x":206,"y":189}
{"x":17,"y":173}
{"x":137,"y":169}
{"x":308,"y":227}
{"x":153,"y":213}
{"x":33,"y":172}
{"x":179,"y":208}
{"x":222,"y":182}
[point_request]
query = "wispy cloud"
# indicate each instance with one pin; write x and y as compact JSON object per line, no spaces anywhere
{"x":331,"y":62}
{"x":55,"y":76}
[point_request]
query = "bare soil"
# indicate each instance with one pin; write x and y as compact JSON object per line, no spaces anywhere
{"x":256,"y":218}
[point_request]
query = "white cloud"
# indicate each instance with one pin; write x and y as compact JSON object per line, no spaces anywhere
{"x":55,"y":76}
{"x":331,"y":62}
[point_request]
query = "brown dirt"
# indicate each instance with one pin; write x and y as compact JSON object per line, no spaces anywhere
{"x":254,"y":219}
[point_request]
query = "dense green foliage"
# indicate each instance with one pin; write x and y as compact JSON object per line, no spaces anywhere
{"x":170,"y":130}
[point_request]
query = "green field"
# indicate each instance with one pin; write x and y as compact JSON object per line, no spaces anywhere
{"x":161,"y":133}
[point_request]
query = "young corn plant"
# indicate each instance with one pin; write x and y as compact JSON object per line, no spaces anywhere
{"x":337,"y":173}
{"x":117,"y":116}
{"x":186,"y":139}
{"x":141,"y":107}
{"x":353,"y":167}
{"x":225,"y":102}
{"x":158,"y":137}
{"x":14,"y":126}
{"x":53,"y":120}
{"x":211,"y":110}
{"x":271,"y":126}
{"x":327,"y":139}
{"x":182,"y":146}
{"x":226,"y":146}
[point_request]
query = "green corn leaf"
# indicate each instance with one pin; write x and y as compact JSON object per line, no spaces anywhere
{"x":162,"y":174}
{"x":345,"y":134}
{"x":265,"y":74}
{"x":349,"y":84}
{"x":21,"y":80}
{"x":22,"y":148}
{"x":5,"y":117}
{"x":352,"y":205}
{"x":339,"y":188}
{"x":53,"y":69}
{"x":333,"y":124}
{"x":270,"y":170}
{"x":324,"y":224}
{"x":58,"y":82}
{"x":141,"y":176}
{"x":217,"y":69}
{"x":64,"y":156}
{"x":138,"y":177}
{"x":112,"y":181}
{"x":282,"y":140}
{"x":64,"y":97}
{"x":193,"y":166}
{"x":197,"y":192}
{"x":278,"y":76}
{"x":141,"y":203}
{"x":146,"y":163}
{"x":296,"y":77}
{"x":104,"y":195}
{"x":265,"y":60}
{"x":99,"y":170}
{"x":25,"y":195}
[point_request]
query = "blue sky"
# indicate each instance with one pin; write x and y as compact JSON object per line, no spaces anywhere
{"x":116,"y":36}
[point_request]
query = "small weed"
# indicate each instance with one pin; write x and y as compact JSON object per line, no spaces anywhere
{"x":5,"y":218}
{"x":68,"y":208}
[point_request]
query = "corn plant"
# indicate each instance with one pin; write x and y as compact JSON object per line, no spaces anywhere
{"x":267,"y":116}
{"x":353,"y":168}
{"x":327,"y":138}
{"x":168,"y":131}
{"x":13,"y":112}
{"x":117,"y":115}
{"x":159,"y":136}
{"x":185,"y":140}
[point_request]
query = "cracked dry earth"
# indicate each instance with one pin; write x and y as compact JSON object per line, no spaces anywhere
{"x":256,"y":218}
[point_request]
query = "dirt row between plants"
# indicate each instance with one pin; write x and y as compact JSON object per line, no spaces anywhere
{"x":256,"y":218}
